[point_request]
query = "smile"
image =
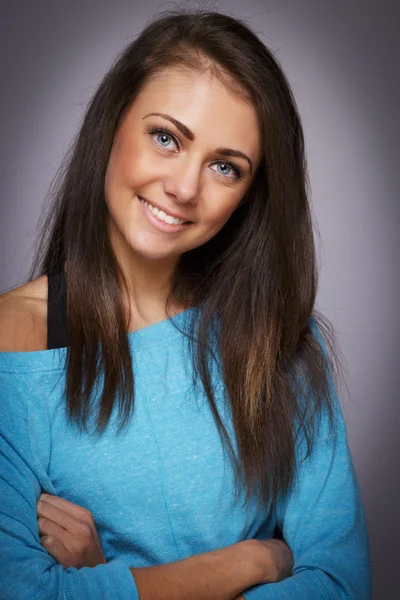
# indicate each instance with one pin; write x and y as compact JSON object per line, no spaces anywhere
{"x":161,"y":215}
{"x":161,"y":220}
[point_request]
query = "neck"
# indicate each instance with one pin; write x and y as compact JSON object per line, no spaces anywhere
{"x":148,"y":284}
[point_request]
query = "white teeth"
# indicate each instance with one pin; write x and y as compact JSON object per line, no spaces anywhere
{"x":161,"y":215}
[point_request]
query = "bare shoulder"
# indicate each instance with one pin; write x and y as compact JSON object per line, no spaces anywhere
{"x":23,"y":317}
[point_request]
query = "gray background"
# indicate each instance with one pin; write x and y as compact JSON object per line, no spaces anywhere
{"x":342,"y":61}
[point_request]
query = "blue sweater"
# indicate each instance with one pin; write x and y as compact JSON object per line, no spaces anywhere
{"x":162,"y":490}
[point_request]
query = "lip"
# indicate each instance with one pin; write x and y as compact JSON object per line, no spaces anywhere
{"x":161,"y":225}
{"x":168,"y":212}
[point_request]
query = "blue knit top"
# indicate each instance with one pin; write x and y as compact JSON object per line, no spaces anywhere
{"x":162,"y":489}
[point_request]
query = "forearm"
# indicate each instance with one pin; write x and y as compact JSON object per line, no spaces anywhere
{"x":309,"y":584}
{"x":220,"y":575}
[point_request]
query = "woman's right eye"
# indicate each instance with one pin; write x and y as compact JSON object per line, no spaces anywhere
{"x":163,"y":135}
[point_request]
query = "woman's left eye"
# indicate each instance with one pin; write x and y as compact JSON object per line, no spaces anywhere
{"x":233,"y":171}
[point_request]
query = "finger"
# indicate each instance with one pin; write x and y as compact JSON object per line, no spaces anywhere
{"x":69,"y":507}
{"x":57,"y":551}
{"x":49,"y":528}
{"x":84,"y":536}
{"x":58,"y":516}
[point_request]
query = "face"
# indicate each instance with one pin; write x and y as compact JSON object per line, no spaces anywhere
{"x":187,"y":147}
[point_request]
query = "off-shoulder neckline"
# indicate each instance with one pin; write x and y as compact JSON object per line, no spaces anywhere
{"x":156,"y":334}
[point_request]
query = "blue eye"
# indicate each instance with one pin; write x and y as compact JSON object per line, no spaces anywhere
{"x":236,"y":172}
{"x":166,"y":133}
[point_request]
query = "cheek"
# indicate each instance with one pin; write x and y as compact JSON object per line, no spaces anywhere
{"x":129,"y":166}
{"x":220,"y":214}
{"x":214,"y":218}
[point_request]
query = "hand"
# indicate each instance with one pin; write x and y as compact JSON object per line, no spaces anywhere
{"x":68,"y":533}
{"x":279,"y":560}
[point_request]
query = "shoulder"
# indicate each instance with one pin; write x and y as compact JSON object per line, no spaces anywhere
{"x":23,"y":317}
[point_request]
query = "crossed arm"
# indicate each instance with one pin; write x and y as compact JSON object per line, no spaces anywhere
{"x":68,"y":533}
{"x":322,"y":521}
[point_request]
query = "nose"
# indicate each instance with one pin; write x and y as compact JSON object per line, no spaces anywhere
{"x":183,"y":180}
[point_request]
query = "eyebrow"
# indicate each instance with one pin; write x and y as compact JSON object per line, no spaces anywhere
{"x":190,"y":136}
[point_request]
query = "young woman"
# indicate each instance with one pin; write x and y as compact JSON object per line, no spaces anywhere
{"x":170,"y":426}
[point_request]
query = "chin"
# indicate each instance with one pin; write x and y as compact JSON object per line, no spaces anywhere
{"x":152,"y":254}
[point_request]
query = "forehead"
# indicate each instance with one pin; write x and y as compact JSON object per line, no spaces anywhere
{"x":203,"y":103}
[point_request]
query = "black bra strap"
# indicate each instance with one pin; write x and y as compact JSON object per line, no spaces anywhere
{"x":56,"y":311}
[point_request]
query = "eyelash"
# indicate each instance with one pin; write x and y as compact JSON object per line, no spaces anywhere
{"x":166,"y":131}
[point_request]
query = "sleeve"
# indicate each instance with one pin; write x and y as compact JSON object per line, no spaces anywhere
{"x":322,"y":520}
{"x":27,"y":571}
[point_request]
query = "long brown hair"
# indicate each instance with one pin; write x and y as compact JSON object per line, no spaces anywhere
{"x":258,"y":275}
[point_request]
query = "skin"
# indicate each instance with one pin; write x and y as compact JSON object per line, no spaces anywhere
{"x":184,"y":175}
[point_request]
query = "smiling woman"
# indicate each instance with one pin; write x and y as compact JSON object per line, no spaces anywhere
{"x":178,"y":171}
{"x":170,"y":427}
